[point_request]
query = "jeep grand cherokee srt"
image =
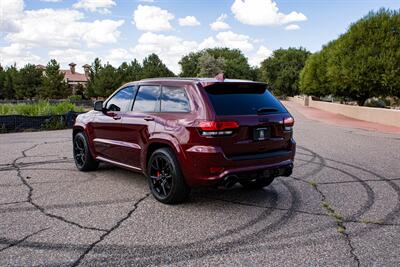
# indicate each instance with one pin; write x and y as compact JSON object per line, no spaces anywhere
{"x":187,"y":132}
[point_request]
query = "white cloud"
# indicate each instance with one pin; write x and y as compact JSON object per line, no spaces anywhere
{"x":261,"y":54}
{"x":263,"y":13}
{"x":101,"y":32}
{"x":17,"y":53}
{"x":118,"y":55}
{"x":11,"y":12}
{"x":220,"y":24}
{"x":152,"y":18}
{"x":228,"y":39}
{"x":66,"y":56}
{"x":292,"y":27}
{"x":63,"y":28}
{"x":101,"y":6}
{"x":189,"y":21}
{"x":169,"y":48}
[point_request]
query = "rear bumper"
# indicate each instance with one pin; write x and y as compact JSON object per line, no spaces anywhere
{"x":207,"y":165}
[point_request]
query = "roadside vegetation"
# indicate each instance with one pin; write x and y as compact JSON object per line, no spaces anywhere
{"x":41,"y":108}
{"x":362,"y":65}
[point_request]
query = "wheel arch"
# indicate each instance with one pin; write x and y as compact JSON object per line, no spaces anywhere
{"x":82,"y":129}
{"x":157,"y":143}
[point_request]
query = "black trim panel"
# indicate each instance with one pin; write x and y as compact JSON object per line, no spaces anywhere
{"x":274,"y":154}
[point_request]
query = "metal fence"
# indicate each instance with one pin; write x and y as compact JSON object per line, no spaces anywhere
{"x":19,"y":123}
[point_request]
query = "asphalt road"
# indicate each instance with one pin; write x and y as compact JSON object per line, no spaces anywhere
{"x":340,"y":207}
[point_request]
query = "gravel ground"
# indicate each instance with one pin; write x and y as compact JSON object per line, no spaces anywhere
{"x":341,"y":206}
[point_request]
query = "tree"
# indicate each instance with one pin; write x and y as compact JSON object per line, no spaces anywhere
{"x":366,"y":59}
{"x":10,"y":75}
{"x":362,"y":63}
{"x":2,"y":78}
{"x":282,"y":70}
{"x":54,"y":85}
{"x":210,"y":66}
{"x":235,"y":64}
{"x":154,"y":67}
{"x":28,"y":81}
{"x":130,"y":72}
{"x":190,"y":65}
{"x":93,"y":74}
{"x":105,"y":81}
{"x":313,"y":78}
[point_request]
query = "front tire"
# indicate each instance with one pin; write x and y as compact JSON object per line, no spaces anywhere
{"x":82,"y":156}
{"x":166,"y":181}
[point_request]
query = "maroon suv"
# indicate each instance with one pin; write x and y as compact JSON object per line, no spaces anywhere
{"x":188,"y":132}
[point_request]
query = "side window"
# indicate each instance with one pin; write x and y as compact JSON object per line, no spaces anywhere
{"x":122,"y":100}
{"x":147,"y":98}
{"x":174,"y":99}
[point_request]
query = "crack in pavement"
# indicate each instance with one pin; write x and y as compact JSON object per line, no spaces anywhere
{"x":37,"y":206}
{"x":116,"y":226}
{"x":339,"y":221}
{"x":22,"y":240}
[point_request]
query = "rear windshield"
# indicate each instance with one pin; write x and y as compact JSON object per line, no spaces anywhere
{"x":242,"y":99}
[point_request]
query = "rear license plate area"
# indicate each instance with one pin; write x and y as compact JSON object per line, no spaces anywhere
{"x":260,"y":134}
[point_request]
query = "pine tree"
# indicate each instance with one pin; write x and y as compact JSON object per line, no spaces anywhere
{"x":28,"y":81}
{"x":54,"y":85}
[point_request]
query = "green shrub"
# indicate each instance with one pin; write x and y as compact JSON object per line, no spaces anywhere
{"x":75,"y":97}
{"x":42,"y":108}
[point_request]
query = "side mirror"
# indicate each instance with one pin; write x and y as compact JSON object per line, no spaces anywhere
{"x":98,"y":106}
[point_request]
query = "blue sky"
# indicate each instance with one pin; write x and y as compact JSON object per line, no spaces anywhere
{"x":120,"y":30}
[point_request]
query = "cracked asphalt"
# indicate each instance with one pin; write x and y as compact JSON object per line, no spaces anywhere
{"x":341,"y":207}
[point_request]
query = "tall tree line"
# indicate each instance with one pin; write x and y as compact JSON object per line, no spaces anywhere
{"x":362,"y":63}
{"x":32,"y":82}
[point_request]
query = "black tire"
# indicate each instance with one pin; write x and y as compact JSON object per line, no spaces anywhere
{"x":165,"y":178}
{"x":82,"y":156}
{"x":257,"y":183}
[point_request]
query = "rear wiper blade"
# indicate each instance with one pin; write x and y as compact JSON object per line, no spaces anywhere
{"x":266,"y":109}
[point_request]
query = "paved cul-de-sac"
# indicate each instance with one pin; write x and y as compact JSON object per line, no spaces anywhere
{"x":341,"y":206}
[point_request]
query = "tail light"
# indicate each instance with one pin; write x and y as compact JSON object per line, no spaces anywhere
{"x":288,"y":123}
{"x":217,"y":128}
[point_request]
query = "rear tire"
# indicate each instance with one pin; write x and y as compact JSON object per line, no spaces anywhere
{"x":82,"y":156}
{"x":165,"y":178}
{"x":257,"y":183}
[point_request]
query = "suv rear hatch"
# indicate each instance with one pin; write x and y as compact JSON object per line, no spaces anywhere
{"x":264,"y":126}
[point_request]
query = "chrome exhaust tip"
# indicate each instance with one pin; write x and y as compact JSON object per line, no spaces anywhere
{"x":230,"y":181}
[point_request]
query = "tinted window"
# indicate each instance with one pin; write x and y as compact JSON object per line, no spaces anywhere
{"x":122,"y":100}
{"x":147,"y":99}
{"x":242,"y":99}
{"x":174,"y":99}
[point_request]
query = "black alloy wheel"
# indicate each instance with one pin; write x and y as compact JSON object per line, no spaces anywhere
{"x":161,"y":173}
{"x":82,"y":156}
{"x":165,"y":179}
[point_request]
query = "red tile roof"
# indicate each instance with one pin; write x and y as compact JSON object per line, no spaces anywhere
{"x":74,"y":77}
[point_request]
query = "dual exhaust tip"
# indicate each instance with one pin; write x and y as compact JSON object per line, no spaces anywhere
{"x":230,"y":180}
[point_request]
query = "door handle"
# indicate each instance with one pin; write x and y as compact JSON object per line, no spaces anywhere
{"x":148,"y":118}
